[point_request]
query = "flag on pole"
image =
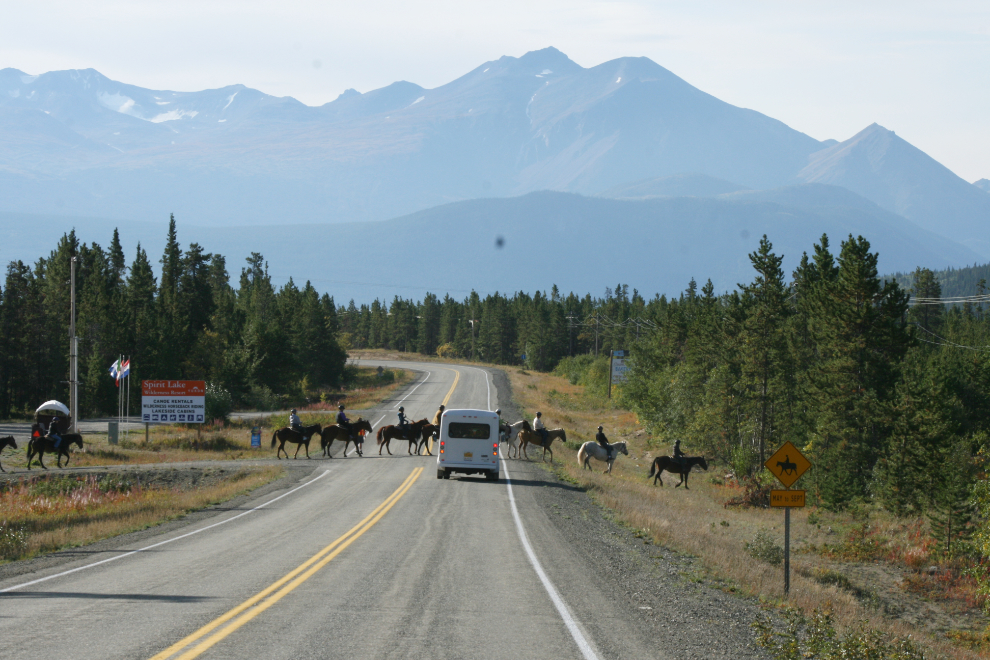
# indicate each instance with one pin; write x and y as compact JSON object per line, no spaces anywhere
{"x":115,"y":370}
{"x":125,"y":369}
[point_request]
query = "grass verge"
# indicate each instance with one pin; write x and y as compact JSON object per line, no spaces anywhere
{"x":739,"y":547}
{"x":46,"y":514}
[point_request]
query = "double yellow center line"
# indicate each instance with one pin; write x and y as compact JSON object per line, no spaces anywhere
{"x":216,"y":630}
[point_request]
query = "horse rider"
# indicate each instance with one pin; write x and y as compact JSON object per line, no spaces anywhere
{"x":502,"y":436}
{"x":436,"y":417}
{"x":603,"y":441}
{"x":403,"y":422}
{"x":678,"y":454}
{"x":53,"y":434}
{"x":294,"y":422}
{"x":540,"y":428}
{"x":342,"y":420}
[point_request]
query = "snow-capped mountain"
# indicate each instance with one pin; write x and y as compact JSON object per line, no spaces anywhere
{"x":78,"y":143}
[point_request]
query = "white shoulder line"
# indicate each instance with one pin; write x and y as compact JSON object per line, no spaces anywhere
{"x":558,"y":602}
{"x":161,"y":543}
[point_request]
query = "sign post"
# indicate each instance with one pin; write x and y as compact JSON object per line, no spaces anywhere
{"x":617,"y":369}
{"x":256,"y":437}
{"x":787,"y":464}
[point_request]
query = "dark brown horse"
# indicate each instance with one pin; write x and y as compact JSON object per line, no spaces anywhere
{"x":666,"y":463}
{"x":334,"y":432}
{"x":43,"y":444}
{"x":527,"y":437}
{"x":7,"y":442}
{"x":413,"y":432}
{"x":429,"y":431}
{"x":301,"y":439}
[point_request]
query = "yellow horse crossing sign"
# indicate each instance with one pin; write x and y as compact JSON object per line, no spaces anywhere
{"x":788,"y":464}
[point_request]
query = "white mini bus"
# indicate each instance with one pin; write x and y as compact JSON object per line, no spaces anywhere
{"x":468,"y":443}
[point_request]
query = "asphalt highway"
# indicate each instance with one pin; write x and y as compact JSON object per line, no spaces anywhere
{"x":368,"y":557}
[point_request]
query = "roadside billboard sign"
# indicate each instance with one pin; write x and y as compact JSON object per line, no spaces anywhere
{"x":173,"y":401}
{"x":619,"y":367}
{"x":256,"y":437}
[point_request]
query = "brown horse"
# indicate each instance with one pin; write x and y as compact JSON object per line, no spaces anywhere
{"x":429,"y":431}
{"x":7,"y":442}
{"x":38,"y":446}
{"x":331,"y":433}
{"x":527,"y":437}
{"x":413,"y":433}
{"x":666,"y":463}
{"x":301,"y":439}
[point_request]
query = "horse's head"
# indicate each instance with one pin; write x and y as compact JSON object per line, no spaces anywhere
{"x":8,"y":442}
{"x":363,"y":425}
{"x":622,"y":447}
{"x":702,"y":462}
{"x":77,"y":441}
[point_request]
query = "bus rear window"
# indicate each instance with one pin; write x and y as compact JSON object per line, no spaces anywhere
{"x":470,"y":430}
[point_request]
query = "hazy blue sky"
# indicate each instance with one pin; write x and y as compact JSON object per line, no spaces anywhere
{"x":829,"y":68}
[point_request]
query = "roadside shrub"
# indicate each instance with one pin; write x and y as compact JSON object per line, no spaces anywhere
{"x":54,"y":486}
{"x":219,"y":402}
{"x":447,"y":350}
{"x":816,"y":638}
{"x":114,"y":483}
{"x":263,"y":398}
{"x":744,"y":460}
{"x":13,"y":541}
{"x":755,"y":494}
{"x":765,"y":548}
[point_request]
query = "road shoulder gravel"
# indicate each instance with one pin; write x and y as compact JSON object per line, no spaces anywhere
{"x":675,"y":606}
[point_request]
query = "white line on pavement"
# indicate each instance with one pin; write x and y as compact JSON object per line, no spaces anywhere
{"x":558,"y":602}
{"x":161,"y":543}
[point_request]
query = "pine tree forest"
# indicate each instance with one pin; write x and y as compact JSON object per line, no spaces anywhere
{"x":886,"y":389}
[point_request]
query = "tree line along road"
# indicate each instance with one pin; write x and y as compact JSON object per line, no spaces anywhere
{"x":355,"y":558}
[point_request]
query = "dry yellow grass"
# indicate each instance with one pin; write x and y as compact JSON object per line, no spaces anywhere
{"x":54,"y":522}
{"x":696,"y":521}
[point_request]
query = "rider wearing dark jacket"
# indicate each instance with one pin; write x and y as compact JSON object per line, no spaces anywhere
{"x":403,"y":422}
{"x":603,"y":441}
{"x":678,"y":454}
{"x":342,"y":420}
{"x":53,"y":432}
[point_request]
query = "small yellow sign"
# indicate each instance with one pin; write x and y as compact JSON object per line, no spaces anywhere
{"x":788,"y":498}
{"x":788,"y":464}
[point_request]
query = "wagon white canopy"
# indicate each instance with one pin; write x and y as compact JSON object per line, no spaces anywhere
{"x":53,"y":406}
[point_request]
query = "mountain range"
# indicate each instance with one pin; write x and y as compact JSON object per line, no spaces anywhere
{"x":75,"y":144}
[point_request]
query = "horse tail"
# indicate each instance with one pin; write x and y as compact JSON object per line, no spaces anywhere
{"x":582,"y":455}
{"x":274,"y":435}
{"x":379,"y":437}
{"x":653,"y":467}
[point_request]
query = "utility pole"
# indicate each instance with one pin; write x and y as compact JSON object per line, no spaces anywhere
{"x":73,"y":350}
{"x":596,"y":334}
{"x":570,"y":333}
{"x":472,"y":322}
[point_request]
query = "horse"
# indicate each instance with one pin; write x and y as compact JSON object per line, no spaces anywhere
{"x":661,"y":463}
{"x":290,"y":435}
{"x":429,"y":431}
{"x":387,"y":433}
{"x":510,"y":433}
{"x":43,"y":444}
{"x":527,"y":437}
{"x":7,"y":442}
{"x":592,"y":449}
{"x":334,"y":432}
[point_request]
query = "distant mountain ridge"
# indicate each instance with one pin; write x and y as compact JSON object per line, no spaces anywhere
{"x":582,"y":244}
{"x":75,"y":143}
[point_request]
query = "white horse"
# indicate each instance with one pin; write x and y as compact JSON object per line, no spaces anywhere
{"x":512,"y":437}
{"x":592,"y":449}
